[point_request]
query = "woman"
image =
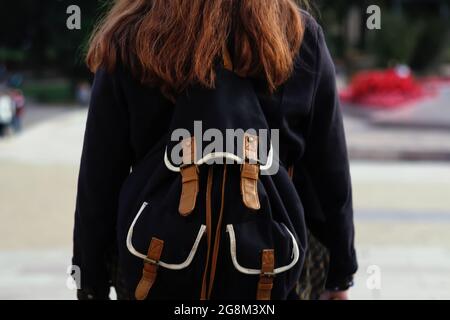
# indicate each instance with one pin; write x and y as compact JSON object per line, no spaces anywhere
{"x":147,"y":55}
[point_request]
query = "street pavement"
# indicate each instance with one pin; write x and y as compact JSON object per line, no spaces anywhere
{"x":402,"y":214}
{"x":420,"y":131}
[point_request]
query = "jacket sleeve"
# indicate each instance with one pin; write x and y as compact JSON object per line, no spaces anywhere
{"x":327,"y":165}
{"x":105,"y":163}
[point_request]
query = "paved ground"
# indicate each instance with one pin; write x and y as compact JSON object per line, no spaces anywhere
{"x":402,"y":216}
{"x":417,"y":132}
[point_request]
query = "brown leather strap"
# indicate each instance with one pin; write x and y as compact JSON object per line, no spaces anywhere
{"x":265,"y":284}
{"x":249,"y":186}
{"x":150,"y":270}
{"x":218,"y":236}
{"x":190,"y":178}
{"x":203,"y":295}
{"x":189,"y":189}
{"x":250,"y":173}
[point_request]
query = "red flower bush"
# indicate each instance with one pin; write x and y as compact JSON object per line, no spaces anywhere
{"x":390,"y":88}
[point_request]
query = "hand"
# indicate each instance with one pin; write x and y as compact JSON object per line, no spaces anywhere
{"x":334,"y":295}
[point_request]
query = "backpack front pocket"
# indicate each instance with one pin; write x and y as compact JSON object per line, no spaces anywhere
{"x":244,"y":270}
{"x":287,"y":252}
{"x":176,"y":261}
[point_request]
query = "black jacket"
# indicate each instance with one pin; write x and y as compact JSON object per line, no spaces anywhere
{"x":127,"y":119}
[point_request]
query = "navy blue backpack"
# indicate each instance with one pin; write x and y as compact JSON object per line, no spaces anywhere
{"x":217,"y":224}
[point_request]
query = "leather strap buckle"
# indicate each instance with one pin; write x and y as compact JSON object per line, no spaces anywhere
{"x":151,"y":262}
{"x":189,"y":148}
{"x":268,"y":274}
{"x":150,"y":271}
{"x":265,"y":284}
{"x":251,"y":148}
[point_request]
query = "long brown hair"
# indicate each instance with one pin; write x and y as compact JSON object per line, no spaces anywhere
{"x":175,"y":43}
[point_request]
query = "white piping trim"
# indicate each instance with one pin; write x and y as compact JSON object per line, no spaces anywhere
{"x":180,"y":266}
{"x":169,"y":165}
{"x":220,"y":155}
{"x":295,"y":254}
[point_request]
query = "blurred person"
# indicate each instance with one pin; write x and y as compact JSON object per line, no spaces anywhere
{"x":12,"y":102}
{"x":150,"y":57}
{"x":7,"y":111}
{"x":19,"y":100}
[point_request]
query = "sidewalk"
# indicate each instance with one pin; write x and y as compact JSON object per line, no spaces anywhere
{"x":418,"y":132}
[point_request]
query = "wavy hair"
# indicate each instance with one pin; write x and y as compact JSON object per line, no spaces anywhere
{"x":173,"y":44}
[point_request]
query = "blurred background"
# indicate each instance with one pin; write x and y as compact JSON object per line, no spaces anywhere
{"x":395,"y":89}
